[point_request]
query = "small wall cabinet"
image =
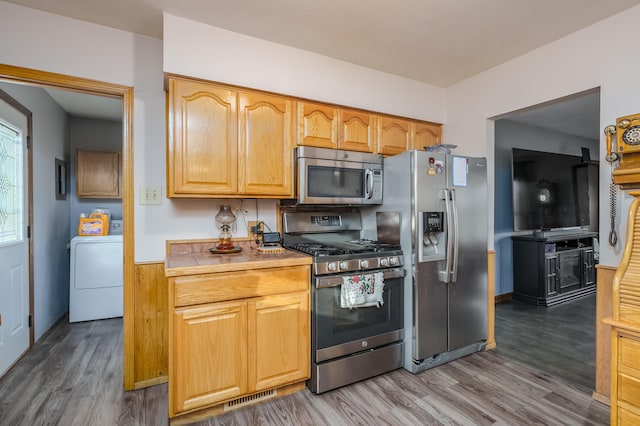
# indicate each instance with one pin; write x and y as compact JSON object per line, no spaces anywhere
{"x":396,"y":135}
{"x":554,"y":269}
{"x":98,"y":174}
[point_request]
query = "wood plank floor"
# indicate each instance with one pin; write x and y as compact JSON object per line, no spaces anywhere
{"x":559,"y":340}
{"x":73,"y":376}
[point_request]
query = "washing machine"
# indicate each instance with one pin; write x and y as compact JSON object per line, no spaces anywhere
{"x":96,"y":278}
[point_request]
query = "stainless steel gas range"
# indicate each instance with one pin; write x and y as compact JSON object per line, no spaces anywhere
{"x":357,"y":313}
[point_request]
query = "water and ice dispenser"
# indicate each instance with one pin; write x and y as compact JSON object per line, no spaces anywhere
{"x":433,"y":245}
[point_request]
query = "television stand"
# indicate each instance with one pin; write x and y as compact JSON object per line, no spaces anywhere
{"x":553,"y":269}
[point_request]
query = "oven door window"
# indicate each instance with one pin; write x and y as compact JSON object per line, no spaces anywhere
{"x":336,"y":325}
{"x":334,"y":182}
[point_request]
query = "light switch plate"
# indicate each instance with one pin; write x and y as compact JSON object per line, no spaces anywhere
{"x":151,"y":194}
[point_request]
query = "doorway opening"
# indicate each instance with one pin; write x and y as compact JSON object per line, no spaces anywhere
{"x":22,"y":76}
{"x":559,"y":339}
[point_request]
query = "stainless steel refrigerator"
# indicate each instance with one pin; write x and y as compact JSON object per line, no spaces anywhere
{"x":442,"y":205}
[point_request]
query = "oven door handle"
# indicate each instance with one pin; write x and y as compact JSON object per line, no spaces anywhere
{"x":335,"y":281}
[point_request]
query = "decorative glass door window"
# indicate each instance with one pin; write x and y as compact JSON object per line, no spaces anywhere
{"x":11,"y":184}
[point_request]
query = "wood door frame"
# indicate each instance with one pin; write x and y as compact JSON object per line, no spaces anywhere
{"x":19,"y":75}
{"x":4,"y":96}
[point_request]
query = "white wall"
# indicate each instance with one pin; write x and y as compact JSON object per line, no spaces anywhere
{"x":220,"y":55}
{"x":598,"y":56}
{"x":86,"y":50}
{"x":50,"y":216}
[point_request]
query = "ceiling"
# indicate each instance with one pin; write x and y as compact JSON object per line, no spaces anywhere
{"x":438,"y":42}
{"x":88,"y":106}
{"x":577,"y":116}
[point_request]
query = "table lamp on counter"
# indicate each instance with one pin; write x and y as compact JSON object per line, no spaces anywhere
{"x":226,"y":218}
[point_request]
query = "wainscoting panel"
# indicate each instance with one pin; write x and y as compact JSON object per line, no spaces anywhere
{"x":151,"y":325}
{"x":603,"y":332}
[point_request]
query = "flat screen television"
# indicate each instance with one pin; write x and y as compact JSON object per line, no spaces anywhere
{"x":550,"y":191}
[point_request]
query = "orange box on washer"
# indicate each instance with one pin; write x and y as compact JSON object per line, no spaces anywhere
{"x":95,"y":224}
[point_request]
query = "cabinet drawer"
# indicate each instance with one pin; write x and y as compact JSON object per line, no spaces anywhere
{"x":629,"y":389}
{"x":626,"y":417}
{"x":197,"y":289}
{"x":629,"y":353}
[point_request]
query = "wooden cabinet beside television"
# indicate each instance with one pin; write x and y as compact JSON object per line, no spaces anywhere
{"x":553,"y":269}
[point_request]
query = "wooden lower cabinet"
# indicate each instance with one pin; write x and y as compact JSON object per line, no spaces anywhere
{"x":278,"y":336}
{"x":209,"y":355}
{"x":229,"y":349}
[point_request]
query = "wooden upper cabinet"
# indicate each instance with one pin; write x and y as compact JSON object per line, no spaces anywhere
{"x":266,"y":145}
{"x":228,"y":143}
{"x":317,"y":125}
{"x":426,"y":134}
{"x":231,"y":142}
{"x":394,"y":135}
{"x":202,"y":144}
{"x":98,"y":174}
{"x":357,"y":131}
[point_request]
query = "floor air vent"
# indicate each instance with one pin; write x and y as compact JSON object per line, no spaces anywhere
{"x":250,"y":399}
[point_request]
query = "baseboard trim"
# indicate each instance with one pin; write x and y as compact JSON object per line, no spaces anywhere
{"x":601,"y":398}
{"x":150,"y":382}
{"x":506,"y":297}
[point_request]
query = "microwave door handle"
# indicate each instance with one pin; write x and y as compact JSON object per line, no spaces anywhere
{"x":368,"y":179}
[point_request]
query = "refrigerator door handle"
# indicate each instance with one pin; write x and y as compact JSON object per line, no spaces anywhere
{"x":449,"y":225}
{"x":454,"y":204}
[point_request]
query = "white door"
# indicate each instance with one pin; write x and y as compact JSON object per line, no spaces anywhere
{"x":14,"y":244}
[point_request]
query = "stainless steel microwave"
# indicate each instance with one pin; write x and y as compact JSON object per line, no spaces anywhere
{"x":332,"y":176}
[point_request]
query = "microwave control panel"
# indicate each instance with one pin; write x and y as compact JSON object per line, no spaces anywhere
{"x":377,"y":185}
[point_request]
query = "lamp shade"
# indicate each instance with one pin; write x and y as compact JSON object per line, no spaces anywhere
{"x":225,"y":216}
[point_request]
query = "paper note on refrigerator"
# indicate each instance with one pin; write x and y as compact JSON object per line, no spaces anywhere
{"x":459,"y":173}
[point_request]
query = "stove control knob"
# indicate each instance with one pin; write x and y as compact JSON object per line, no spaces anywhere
{"x":343,"y":265}
{"x":384,"y":262}
{"x":393,"y":261}
{"x":364,"y":264}
{"x":331,"y":266}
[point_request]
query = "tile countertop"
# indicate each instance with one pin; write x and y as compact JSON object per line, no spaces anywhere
{"x":193,"y":257}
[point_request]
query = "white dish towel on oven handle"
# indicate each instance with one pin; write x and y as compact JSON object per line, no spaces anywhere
{"x":362,"y":290}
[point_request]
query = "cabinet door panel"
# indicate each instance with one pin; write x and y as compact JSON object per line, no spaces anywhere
{"x":98,"y":174}
{"x":209,"y":355}
{"x":394,"y":136}
{"x":588,"y":265}
{"x":279,"y":340}
{"x":551,"y":272}
{"x":266,"y":145}
{"x":425,"y":135}
{"x":202,"y":139}
{"x":317,"y":125}
{"x":357,"y":131}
